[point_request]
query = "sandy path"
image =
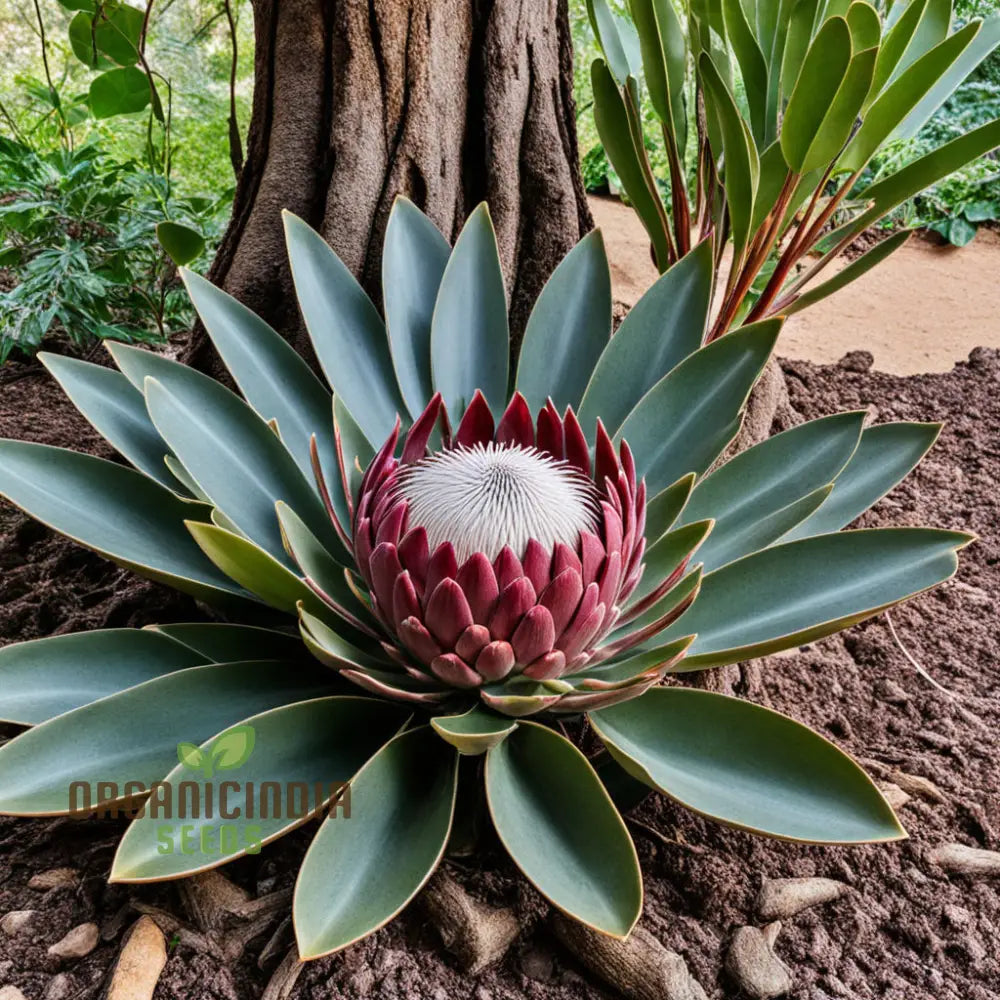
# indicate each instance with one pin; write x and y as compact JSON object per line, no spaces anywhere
{"x":921,"y":310}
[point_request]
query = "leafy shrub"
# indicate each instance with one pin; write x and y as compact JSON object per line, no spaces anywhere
{"x":957,"y":205}
{"x":78,"y":237}
{"x":786,"y":112}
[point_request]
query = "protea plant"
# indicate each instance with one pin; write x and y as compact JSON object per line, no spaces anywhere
{"x":441,"y":560}
{"x":778,"y":107}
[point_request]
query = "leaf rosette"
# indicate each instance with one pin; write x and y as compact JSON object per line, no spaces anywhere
{"x":436,"y":559}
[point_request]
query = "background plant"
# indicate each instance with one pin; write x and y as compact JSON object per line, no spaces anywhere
{"x":769,"y":98}
{"x":103,"y":153}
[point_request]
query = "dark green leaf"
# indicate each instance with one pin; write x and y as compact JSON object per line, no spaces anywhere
{"x":748,"y":495}
{"x":742,"y":166}
{"x":116,"y":511}
{"x":346,"y":331}
{"x":46,"y":677}
{"x":800,"y":591}
{"x":413,"y":260}
{"x":180,"y":243}
{"x":886,"y":455}
{"x":746,"y":766}
{"x":132,"y":736}
{"x":569,"y":327}
{"x":345,"y":889}
{"x":664,"y":327}
{"x":221,"y":642}
{"x":612,"y":120}
{"x":686,"y":420}
{"x":321,"y":743}
{"x":902,"y":96}
{"x":807,"y":118}
{"x":234,"y":457}
{"x":469,"y":335}
{"x":117,"y":411}
{"x":272,"y":376}
{"x":119,"y":92}
{"x":562,"y":830}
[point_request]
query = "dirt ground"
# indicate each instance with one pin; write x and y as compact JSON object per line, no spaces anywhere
{"x":904,"y":930}
{"x":922,"y":310}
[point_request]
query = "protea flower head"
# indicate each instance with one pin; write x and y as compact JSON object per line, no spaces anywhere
{"x":504,"y":558}
{"x":476,"y":554}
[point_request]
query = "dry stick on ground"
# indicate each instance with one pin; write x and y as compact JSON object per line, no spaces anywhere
{"x":640,"y":968}
{"x":476,"y":934}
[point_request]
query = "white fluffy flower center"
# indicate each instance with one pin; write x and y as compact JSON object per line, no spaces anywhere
{"x":483,"y":498}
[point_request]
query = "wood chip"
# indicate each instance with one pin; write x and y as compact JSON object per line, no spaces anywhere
{"x":140,"y":962}
{"x":784,"y":897}
{"x":963,"y":860}
{"x":914,"y":784}
{"x":754,"y":966}
{"x":640,"y":967}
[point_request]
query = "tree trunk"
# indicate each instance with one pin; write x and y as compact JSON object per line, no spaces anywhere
{"x":450,"y":102}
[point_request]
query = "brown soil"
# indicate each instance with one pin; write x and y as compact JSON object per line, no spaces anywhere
{"x":921,"y":310}
{"x":906,"y":931}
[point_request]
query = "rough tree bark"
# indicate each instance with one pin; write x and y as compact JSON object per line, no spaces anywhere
{"x":447,"y":101}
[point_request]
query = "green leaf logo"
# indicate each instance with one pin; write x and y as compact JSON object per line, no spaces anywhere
{"x":228,"y":751}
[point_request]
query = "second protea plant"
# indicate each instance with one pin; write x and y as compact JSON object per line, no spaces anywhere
{"x":442,"y":560}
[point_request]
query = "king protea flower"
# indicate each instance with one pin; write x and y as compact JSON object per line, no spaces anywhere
{"x":476,"y":556}
{"x":504,"y":555}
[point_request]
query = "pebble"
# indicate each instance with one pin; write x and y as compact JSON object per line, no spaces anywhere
{"x":963,"y":860}
{"x":536,"y":963}
{"x":60,"y":987}
{"x":80,"y":941}
{"x":894,"y":795}
{"x":11,"y":993}
{"x":14,"y":922}
{"x":754,"y":966}
{"x":857,"y":361}
{"x":891,"y":692}
{"x":140,"y":962}
{"x":54,"y":878}
{"x":784,"y":897}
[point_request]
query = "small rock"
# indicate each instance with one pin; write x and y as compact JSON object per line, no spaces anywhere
{"x":963,"y":860}
{"x":857,"y":361}
{"x":957,"y":916}
{"x":536,"y":963}
{"x":784,"y":897}
{"x":894,"y":795}
{"x":14,"y":922}
{"x":140,"y":962}
{"x":54,"y":878}
{"x":914,"y":784}
{"x":60,"y":987}
{"x":80,"y":941}
{"x":11,"y":993}
{"x":892,"y":693}
{"x":974,"y":595}
{"x":755,"y":967}
{"x":361,"y":982}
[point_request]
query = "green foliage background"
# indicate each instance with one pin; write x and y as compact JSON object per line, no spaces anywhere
{"x":80,"y":201}
{"x":87,"y":213}
{"x":955,"y":207}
